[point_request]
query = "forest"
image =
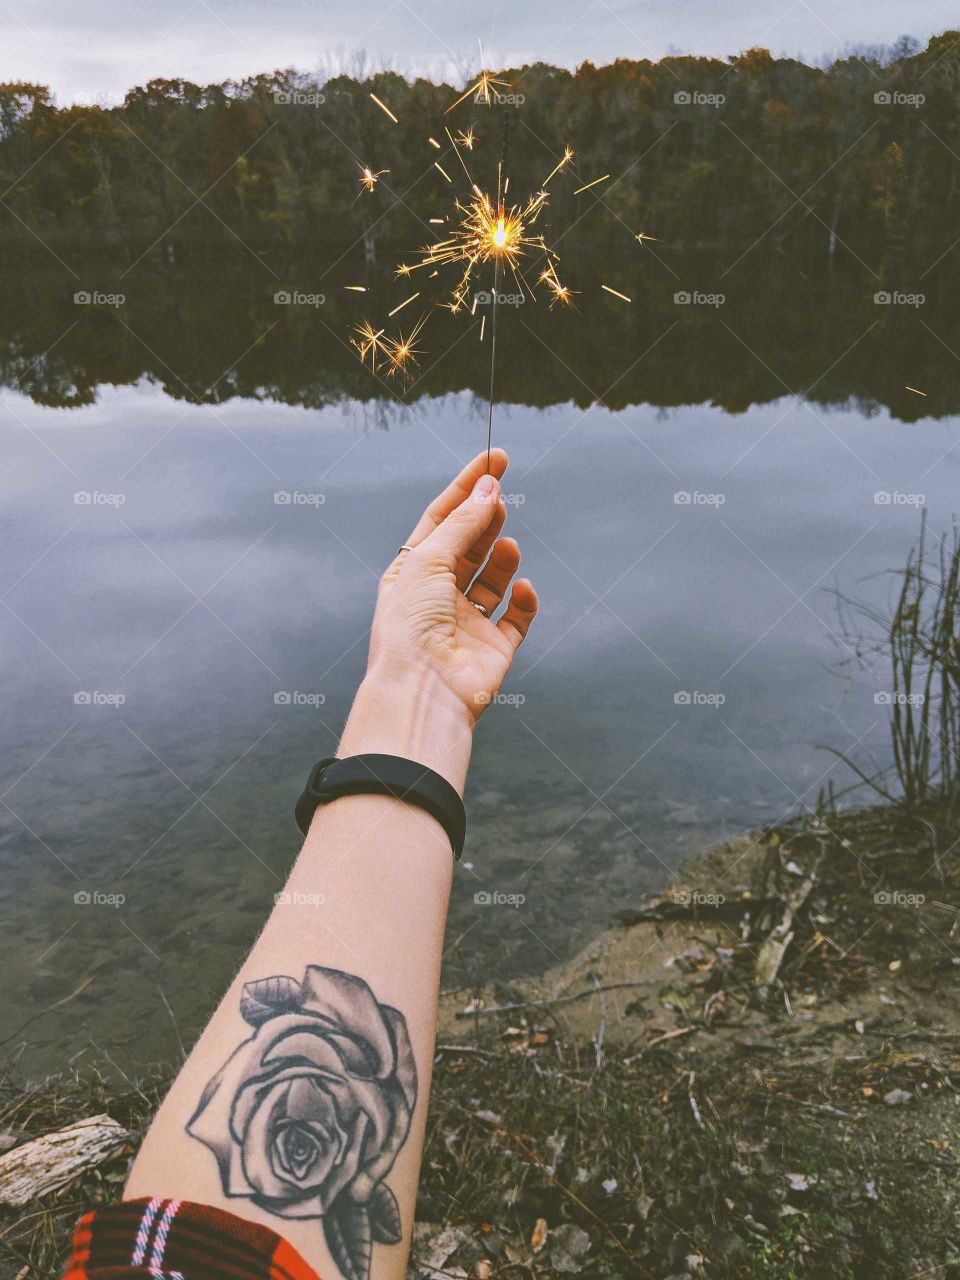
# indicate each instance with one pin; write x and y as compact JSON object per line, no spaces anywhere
{"x":856,"y":158}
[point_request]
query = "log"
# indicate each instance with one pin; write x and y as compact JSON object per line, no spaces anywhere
{"x":54,"y":1160}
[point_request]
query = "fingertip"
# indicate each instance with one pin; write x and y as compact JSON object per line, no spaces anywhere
{"x":524,"y":595}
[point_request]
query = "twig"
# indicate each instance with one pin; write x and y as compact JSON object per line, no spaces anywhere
{"x":667,"y":1035}
{"x":542,"y":1004}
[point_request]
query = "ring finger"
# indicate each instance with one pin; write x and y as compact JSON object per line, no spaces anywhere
{"x":490,"y":584}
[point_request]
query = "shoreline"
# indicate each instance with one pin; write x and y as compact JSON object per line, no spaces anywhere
{"x":686,"y":1095}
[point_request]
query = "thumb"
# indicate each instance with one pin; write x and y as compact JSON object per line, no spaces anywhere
{"x":457,"y":534}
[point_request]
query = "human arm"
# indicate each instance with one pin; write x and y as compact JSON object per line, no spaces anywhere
{"x":302,"y":1106}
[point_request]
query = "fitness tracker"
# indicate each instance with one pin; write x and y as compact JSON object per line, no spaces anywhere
{"x":377,"y":775}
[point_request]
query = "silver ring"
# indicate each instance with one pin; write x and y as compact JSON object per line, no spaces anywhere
{"x":480,"y":609}
{"x":405,"y":548}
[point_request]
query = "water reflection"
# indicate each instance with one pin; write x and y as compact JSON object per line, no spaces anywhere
{"x":676,"y":689}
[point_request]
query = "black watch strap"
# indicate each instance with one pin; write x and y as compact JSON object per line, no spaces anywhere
{"x":377,"y":775}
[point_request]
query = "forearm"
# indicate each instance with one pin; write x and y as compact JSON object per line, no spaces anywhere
{"x":367,"y":897}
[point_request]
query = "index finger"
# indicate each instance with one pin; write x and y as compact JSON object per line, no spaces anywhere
{"x":457,"y":492}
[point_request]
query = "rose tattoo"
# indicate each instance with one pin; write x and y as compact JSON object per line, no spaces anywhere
{"x":306,"y":1117}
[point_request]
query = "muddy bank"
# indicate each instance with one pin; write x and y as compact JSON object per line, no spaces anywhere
{"x":755,"y":1076}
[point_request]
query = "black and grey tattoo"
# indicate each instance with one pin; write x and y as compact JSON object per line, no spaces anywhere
{"x":307,"y":1116}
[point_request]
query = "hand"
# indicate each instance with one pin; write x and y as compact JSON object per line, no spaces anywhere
{"x":436,"y":662}
{"x":426,"y":619}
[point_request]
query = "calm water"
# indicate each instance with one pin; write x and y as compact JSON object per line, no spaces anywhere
{"x":200,"y":598}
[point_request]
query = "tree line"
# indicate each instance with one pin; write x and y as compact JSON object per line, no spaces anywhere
{"x":856,"y":158}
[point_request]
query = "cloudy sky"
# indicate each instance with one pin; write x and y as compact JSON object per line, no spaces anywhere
{"x":99,"y":48}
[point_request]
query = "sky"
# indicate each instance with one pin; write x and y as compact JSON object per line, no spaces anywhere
{"x":95,"y":51}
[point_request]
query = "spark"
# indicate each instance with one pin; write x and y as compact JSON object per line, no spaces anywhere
{"x":356,"y":288}
{"x":594,"y":183}
{"x":916,"y":392}
{"x":616,"y":293}
{"x":642,"y":236}
{"x":480,"y":90}
{"x":383,"y":107}
{"x":369,"y":342}
{"x":441,"y":221}
{"x":568,"y":154}
{"x":434,"y":143}
{"x":483,"y":325}
{"x":401,"y":351}
{"x":368,"y":178}
{"x":466,"y":138}
{"x":442,"y":170}
{"x":561,"y":293}
{"x":403,"y":304}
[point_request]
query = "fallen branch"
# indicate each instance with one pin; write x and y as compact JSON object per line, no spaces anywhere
{"x":53,"y":1161}
{"x":542,"y":1004}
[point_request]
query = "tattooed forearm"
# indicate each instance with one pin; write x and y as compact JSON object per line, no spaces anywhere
{"x":308,"y":1114}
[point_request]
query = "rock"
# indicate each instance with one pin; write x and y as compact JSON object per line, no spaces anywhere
{"x":567,"y":1247}
{"x":896,"y":1097}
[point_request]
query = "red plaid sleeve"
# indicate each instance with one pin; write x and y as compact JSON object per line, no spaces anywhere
{"x":178,"y":1240}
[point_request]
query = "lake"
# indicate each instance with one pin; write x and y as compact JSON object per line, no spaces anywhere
{"x":179,"y":645}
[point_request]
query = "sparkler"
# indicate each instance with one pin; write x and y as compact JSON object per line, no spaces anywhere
{"x":482,"y":229}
